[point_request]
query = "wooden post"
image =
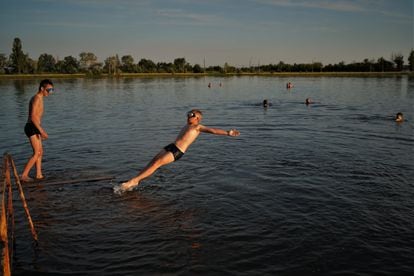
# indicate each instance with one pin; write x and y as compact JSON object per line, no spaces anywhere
{"x":10,"y":211}
{"x":26,"y":209}
{"x":7,"y":212}
{"x":3,"y":225}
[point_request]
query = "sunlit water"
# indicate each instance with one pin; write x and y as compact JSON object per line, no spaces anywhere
{"x":320,"y":189}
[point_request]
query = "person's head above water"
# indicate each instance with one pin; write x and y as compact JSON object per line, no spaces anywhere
{"x":308,"y":101}
{"x":399,"y":117}
{"x":265,"y":103}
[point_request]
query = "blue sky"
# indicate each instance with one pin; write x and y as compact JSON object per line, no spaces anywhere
{"x":240,"y":32}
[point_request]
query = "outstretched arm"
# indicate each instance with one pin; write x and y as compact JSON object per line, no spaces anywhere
{"x":218,"y":131}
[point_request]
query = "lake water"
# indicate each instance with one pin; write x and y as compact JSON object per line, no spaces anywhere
{"x":321,"y":189}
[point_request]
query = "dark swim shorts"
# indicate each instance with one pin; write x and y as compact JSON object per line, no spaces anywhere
{"x":30,"y":129}
{"x":175,"y":151}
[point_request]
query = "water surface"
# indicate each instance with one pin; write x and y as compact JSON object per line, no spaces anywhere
{"x":319,"y":189}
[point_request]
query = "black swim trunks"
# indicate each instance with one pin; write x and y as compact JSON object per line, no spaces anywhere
{"x":175,"y":151}
{"x":30,"y":129}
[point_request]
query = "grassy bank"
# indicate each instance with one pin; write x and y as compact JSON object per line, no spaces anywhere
{"x":174,"y":75}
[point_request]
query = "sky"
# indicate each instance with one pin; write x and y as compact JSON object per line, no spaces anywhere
{"x":239,"y":32}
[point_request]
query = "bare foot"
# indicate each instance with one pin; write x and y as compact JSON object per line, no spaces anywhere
{"x":40,"y":177}
{"x":124,"y":187}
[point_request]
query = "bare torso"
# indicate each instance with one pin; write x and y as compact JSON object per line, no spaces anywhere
{"x":35,"y":109}
{"x":187,"y":136}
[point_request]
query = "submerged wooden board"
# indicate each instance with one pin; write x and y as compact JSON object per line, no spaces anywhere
{"x":69,"y":181}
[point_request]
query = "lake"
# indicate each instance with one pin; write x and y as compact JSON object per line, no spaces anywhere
{"x":320,"y":189}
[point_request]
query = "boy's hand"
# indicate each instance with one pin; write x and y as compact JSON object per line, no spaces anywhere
{"x":44,"y":136}
{"x":233,"y":132}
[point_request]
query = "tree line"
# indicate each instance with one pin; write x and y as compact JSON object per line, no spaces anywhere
{"x":20,"y":63}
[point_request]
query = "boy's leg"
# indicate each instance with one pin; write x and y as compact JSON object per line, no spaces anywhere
{"x":36,"y":143}
{"x":162,"y":158}
{"x":39,"y":174}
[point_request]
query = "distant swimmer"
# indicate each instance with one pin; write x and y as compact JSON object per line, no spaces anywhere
{"x":176,"y":150}
{"x":308,"y":101}
{"x":266,"y":103}
{"x":289,"y":85}
{"x":34,"y":130}
{"x":209,"y":85}
{"x":399,"y":117}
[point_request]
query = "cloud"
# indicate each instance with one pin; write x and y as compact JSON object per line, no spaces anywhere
{"x":180,"y":14}
{"x":320,"y":4}
{"x":182,"y":17}
{"x":361,"y":6}
{"x":62,"y":24}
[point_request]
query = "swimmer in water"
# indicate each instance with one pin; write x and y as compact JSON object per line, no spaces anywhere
{"x":399,"y":117}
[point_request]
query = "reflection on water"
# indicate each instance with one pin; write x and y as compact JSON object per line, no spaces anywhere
{"x":319,"y":189}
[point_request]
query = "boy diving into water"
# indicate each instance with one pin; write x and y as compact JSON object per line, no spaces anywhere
{"x":176,"y":150}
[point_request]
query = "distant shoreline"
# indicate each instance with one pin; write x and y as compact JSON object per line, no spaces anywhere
{"x":176,"y":75}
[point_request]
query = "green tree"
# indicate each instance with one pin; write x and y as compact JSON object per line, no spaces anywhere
{"x":215,"y":69}
{"x":87,"y":61}
{"x":147,"y":66}
{"x":180,"y":65}
{"x":17,"y":58}
{"x":112,"y":65}
{"x":70,"y":65}
{"x":95,"y":70}
{"x":368,"y":65}
{"x":399,"y":61}
{"x":188,"y":67}
{"x":317,"y":66}
{"x":108,"y":65}
{"x":383,"y":65}
{"x":283,"y":67}
{"x":59,"y":66}
{"x":163,"y":67}
{"x":228,"y":68}
{"x":30,"y":65}
{"x":127,"y":64}
{"x":3,"y":63}
{"x":197,"y":69}
{"x":411,"y":60}
{"x":46,"y":64}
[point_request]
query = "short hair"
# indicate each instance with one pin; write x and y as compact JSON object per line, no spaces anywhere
{"x":399,"y":114}
{"x":197,"y":111}
{"x":44,"y":83}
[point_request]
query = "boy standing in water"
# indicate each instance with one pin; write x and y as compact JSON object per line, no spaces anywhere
{"x":176,"y":150}
{"x":34,"y":131}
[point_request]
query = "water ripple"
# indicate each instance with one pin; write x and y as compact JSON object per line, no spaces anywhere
{"x":304,"y":190}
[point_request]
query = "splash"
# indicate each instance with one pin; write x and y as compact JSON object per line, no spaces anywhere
{"x":120,"y":191}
